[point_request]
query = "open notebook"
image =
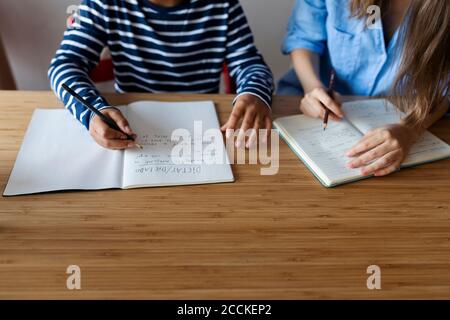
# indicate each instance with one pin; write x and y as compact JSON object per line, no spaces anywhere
{"x":323,"y":152}
{"x":58,"y":153}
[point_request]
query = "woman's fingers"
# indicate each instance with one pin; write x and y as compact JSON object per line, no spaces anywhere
{"x":115,"y":144}
{"x":120,"y":120}
{"x":247,"y":123}
{"x":370,"y":156}
{"x":268,"y":125}
{"x":108,"y":137}
{"x":382,"y":150}
{"x":105,"y":132}
{"x":119,"y":144}
{"x":313,"y":108}
{"x":253,"y":139}
{"x":232,"y":122}
{"x":388,"y":170}
{"x":369,"y":141}
{"x":334,"y":118}
{"x":251,"y":120}
{"x":329,"y":102}
{"x":317,"y":101}
{"x":337,"y":97}
{"x":387,"y":161}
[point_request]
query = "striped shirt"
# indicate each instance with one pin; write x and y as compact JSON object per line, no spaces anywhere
{"x":155,"y":49}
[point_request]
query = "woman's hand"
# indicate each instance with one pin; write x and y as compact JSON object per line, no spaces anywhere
{"x":110,"y":138}
{"x":382,"y":150}
{"x":255,"y":114}
{"x":313,"y":102}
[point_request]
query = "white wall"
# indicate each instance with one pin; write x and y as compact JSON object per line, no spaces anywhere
{"x":32,"y":31}
{"x":268,"y":20}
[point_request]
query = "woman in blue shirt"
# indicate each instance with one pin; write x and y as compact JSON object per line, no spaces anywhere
{"x":377,"y":48}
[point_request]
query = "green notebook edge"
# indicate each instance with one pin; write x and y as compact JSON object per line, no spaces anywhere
{"x":282,"y":135}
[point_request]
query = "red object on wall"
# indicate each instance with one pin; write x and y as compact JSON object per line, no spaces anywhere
{"x":103,"y":72}
{"x":230,"y":86}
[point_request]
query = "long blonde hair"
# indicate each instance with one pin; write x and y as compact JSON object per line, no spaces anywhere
{"x":422,"y":81}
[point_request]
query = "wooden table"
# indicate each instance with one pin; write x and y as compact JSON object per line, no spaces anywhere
{"x":263,"y":237}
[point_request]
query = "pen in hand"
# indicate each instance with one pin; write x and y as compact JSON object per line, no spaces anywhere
{"x":103,"y":117}
{"x":331,"y":94}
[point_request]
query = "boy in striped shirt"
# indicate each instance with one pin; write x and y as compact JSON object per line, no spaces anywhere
{"x":162,"y":46}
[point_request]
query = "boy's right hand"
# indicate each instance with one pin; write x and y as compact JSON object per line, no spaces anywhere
{"x":311,"y":104}
{"x":110,"y":138}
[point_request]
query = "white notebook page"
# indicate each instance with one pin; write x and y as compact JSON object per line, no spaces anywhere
{"x":58,"y":153}
{"x":366,"y":115}
{"x":325,"y":149}
{"x":154,"y":122}
{"x":370,"y":114}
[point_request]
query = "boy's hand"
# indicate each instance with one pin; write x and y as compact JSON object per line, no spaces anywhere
{"x":311,"y":104}
{"x":110,"y":138}
{"x":254,"y":114}
{"x":382,"y":150}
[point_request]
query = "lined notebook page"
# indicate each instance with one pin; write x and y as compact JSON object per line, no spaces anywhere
{"x":427,"y":148}
{"x":324,"y":151}
{"x":154,"y":123}
{"x":366,"y":115}
{"x":369,"y":114}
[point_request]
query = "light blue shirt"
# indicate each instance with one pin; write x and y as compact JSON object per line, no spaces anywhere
{"x":364,"y":64}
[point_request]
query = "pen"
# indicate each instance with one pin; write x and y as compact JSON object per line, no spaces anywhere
{"x":104,"y":118}
{"x":330,"y":93}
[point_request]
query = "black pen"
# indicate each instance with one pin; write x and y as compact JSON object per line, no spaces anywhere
{"x":104,"y":118}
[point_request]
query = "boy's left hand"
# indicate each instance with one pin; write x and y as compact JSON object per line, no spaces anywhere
{"x":254,"y":113}
{"x":382,"y":150}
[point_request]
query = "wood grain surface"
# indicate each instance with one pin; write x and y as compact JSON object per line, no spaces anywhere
{"x":263,"y":237}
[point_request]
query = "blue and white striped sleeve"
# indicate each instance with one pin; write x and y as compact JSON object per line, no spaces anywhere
{"x":246,"y":65}
{"x":77,"y":55}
